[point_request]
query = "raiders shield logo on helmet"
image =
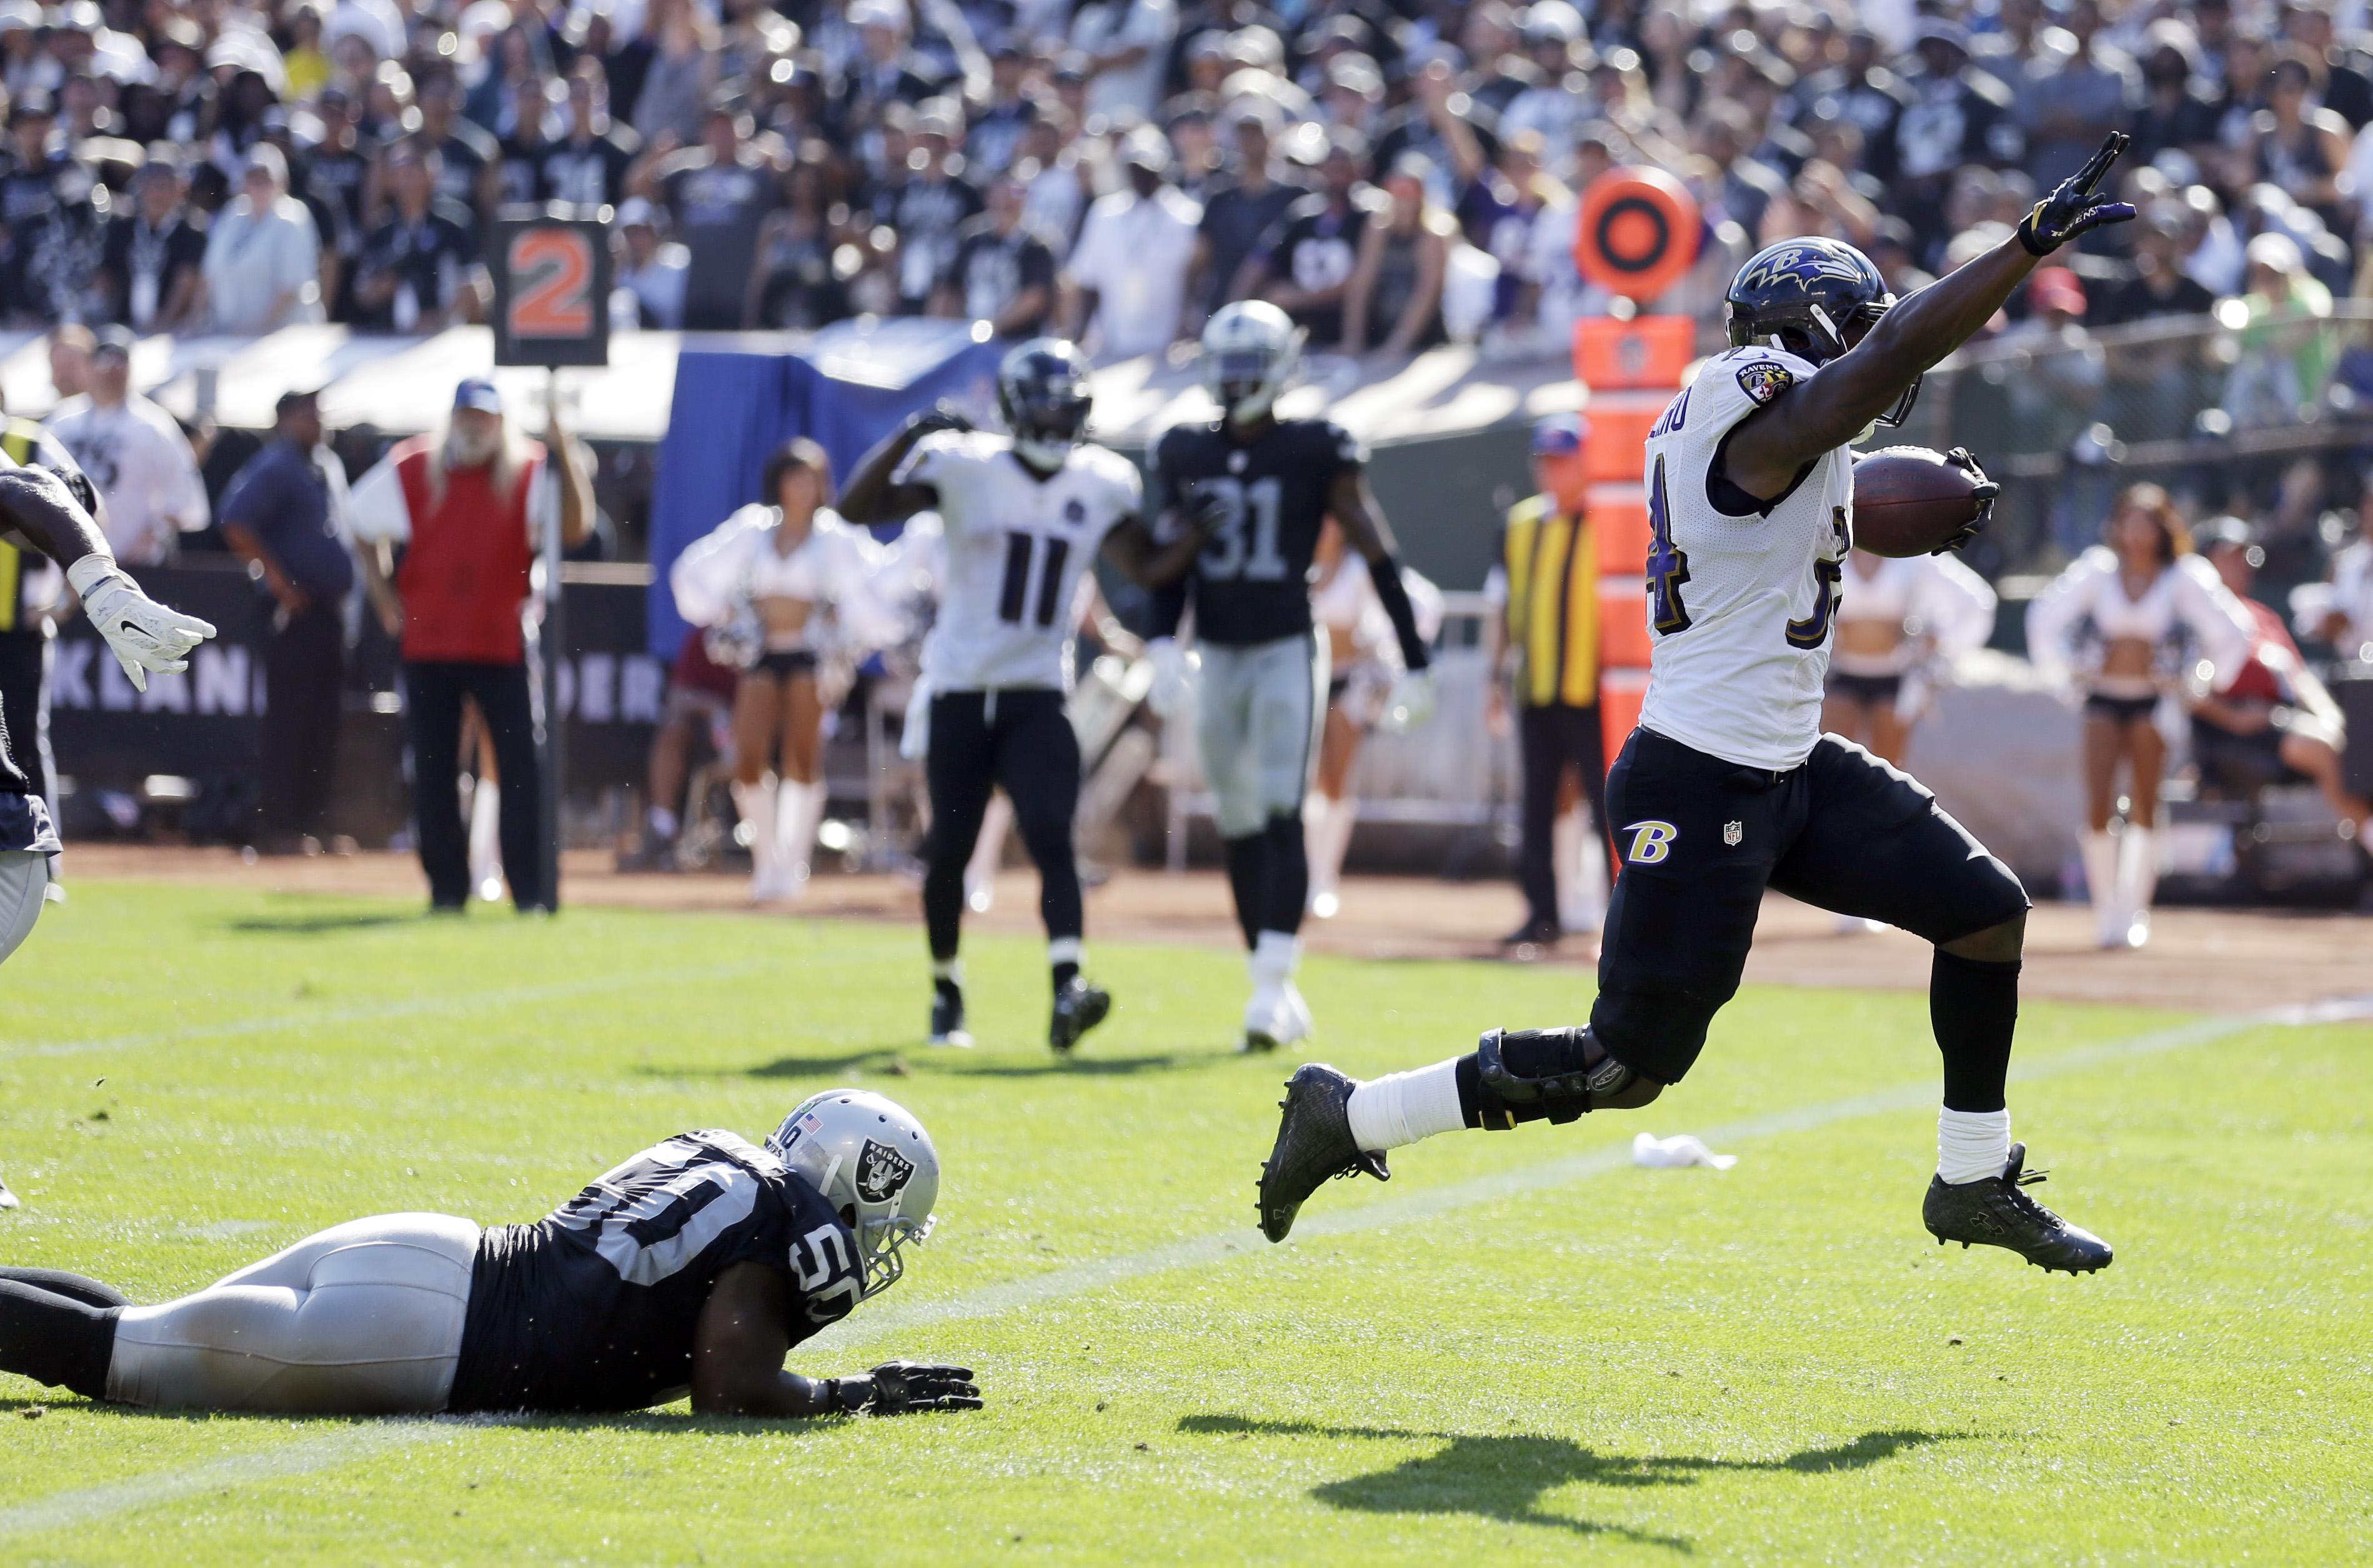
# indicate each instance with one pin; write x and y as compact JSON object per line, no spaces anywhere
{"x":1765,"y":379}
{"x":882,"y":1172}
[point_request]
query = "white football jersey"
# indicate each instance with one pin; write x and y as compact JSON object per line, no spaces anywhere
{"x":1741,"y":593}
{"x":1017,"y":546}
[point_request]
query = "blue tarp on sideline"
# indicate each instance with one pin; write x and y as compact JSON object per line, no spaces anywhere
{"x":846,"y":386}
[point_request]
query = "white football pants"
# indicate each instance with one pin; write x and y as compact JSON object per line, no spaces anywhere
{"x":24,"y":883}
{"x":364,"y":1319}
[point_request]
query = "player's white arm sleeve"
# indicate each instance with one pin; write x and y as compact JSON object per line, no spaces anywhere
{"x":1957,"y":605}
{"x":377,"y":509}
{"x":705,"y":580}
{"x":2219,"y":620}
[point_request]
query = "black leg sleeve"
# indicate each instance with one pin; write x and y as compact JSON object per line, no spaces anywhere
{"x":960,"y":773}
{"x":1248,"y":880}
{"x":56,"y":1339}
{"x":1973,"y":1007}
{"x":1039,"y":763}
{"x":1289,"y":875}
{"x":73,"y":1287}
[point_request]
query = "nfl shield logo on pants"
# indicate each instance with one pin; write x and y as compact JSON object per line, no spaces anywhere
{"x":1732,"y":832}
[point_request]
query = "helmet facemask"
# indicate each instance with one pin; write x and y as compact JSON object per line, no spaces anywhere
{"x":874,"y":1164}
{"x":1249,"y":354}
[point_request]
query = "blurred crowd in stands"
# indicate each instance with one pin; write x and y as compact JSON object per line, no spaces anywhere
{"x":1393,"y":171}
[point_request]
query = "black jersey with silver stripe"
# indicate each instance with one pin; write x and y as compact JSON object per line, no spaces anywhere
{"x":595,"y":1306}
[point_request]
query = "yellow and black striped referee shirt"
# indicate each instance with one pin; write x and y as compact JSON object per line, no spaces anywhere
{"x":1551,"y":563}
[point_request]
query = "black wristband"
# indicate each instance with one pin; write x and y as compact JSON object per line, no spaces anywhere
{"x":2026,"y":232}
{"x":847,"y":1396}
{"x":1391,"y":592}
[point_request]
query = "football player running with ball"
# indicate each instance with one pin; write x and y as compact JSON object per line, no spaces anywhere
{"x":1024,"y":514}
{"x":693,"y":1268}
{"x":1264,"y":487}
{"x":1728,"y":786}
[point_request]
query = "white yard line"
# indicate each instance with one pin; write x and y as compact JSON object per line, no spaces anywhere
{"x":307,"y":1454}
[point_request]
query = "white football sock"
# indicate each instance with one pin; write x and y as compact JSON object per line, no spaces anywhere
{"x":1401,"y":1107}
{"x":1972,"y":1145}
{"x":1068,"y":950}
{"x":950,"y":969}
{"x":663,"y":822}
{"x":1275,"y":956}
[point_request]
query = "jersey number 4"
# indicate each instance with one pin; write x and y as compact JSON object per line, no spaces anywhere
{"x":1668,"y":567}
{"x":1013,"y":595}
{"x":1245,"y":543}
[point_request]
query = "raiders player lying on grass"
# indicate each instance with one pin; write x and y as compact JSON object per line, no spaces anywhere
{"x":695,"y":1267}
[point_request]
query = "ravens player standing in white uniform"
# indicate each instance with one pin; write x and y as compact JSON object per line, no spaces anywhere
{"x":51,"y":512}
{"x":692,"y":1269}
{"x":1024,"y":514}
{"x":1728,"y":786}
{"x":1265,"y":486}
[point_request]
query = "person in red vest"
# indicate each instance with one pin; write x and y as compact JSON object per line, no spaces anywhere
{"x":467,"y":506}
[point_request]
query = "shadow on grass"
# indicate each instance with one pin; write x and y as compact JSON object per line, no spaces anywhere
{"x":322,"y":922}
{"x":906,"y":1060}
{"x":1504,"y":1476}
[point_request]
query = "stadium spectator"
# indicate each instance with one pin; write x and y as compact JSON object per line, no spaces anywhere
{"x":587,"y":164}
{"x":264,"y":253}
{"x":135,"y":455}
{"x":1542,"y":650}
{"x":930,"y":206}
{"x":1305,"y":265}
{"x":2287,"y":349}
{"x":718,"y":195}
{"x":1240,"y":212}
{"x":2274,"y":723}
{"x":155,"y":257}
{"x":697,"y":711}
{"x":283,"y":515}
{"x":1393,"y":301}
{"x":1004,"y":271}
{"x":651,"y":271}
{"x":418,"y":270}
{"x":467,"y":505}
{"x":1127,"y":279}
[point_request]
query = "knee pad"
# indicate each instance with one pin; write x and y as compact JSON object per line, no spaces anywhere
{"x":1564,"y":1071}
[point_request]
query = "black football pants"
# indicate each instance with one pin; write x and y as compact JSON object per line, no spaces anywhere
{"x":1023,"y":740}
{"x":433,"y":694}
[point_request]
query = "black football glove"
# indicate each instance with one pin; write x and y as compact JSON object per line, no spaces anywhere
{"x":1962,"y":459}
{"x":897,"y":1386}
{"x":2072,"y":208}
{"x":1210,"y":506}
{"x":939,"y":417}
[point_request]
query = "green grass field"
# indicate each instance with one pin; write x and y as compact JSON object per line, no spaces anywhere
{"x":1523,"y":1349}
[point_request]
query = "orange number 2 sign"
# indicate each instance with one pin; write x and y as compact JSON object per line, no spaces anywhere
{"x":552,"y":293}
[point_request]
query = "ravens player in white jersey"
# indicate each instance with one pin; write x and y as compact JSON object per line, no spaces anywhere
{"x":692,"y":1269}
{"x":1265,"y":487}
{"x":1024,"y":513}
{"x":48,"y":506}
{"x":1728,"y":786}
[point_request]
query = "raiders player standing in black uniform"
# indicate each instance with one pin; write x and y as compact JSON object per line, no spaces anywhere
{"x":693,"y":1268}
{"x":1264,"y":486}
{"x":52,"y":513}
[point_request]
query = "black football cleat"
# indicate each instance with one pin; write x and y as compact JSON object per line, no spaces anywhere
{"x":1995,"y":1211}
{"x":1314,"y":1146}
{"x":1078,"y":1007}
{"x":948,"y":1016}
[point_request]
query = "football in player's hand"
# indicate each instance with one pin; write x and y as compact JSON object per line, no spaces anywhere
{"x":1913,"y":501}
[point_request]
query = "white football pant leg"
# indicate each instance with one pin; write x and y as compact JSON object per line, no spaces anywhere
{"x":24,"y":884}
{"x":364,"y":1319}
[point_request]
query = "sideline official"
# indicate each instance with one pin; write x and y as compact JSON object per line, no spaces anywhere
{"x":280,"y":514}
{"x":1543,"y":646}
{"x":468,"y":505}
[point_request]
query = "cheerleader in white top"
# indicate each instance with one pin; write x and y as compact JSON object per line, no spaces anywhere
{"x":2129,"y":620}
{"x":774,"y":588}
{"x":1900,"y":623}
{"x":1364,"y":666}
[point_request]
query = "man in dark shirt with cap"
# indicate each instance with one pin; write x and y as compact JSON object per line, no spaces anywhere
{"x":278,"y":515}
